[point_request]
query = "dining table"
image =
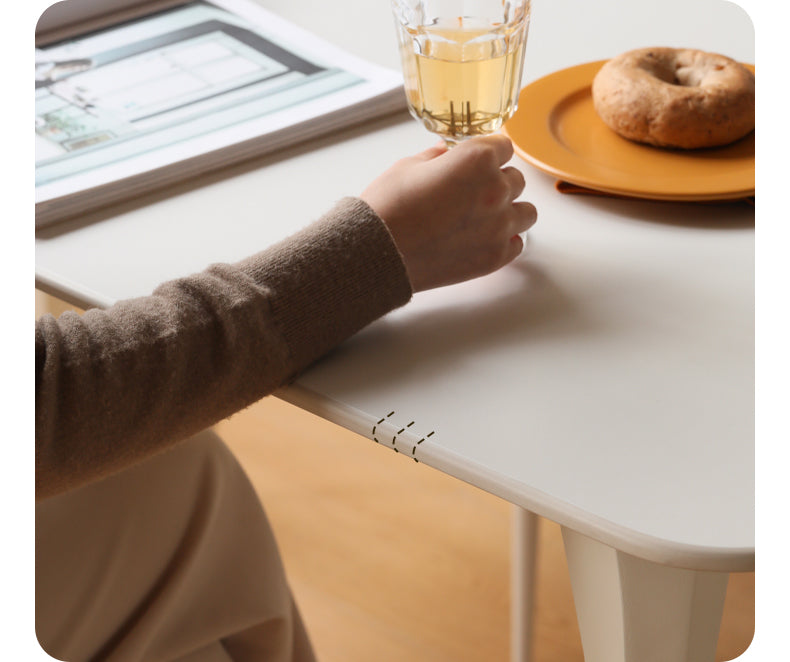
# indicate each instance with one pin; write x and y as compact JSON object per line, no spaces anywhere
{"x":603,"y":380}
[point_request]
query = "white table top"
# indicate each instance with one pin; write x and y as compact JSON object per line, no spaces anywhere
{"x":604,"y":380}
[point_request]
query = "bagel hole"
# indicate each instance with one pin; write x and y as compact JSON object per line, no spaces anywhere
{"x":668,"y":76}
{"x":687,"y":76}
{"x":673,"y":73}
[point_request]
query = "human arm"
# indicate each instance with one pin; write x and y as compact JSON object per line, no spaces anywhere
{"x":115,"y":386}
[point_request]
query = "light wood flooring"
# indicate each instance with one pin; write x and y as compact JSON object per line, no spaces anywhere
{"x":392,"y":561}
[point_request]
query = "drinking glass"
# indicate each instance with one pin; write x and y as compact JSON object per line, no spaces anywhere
{"x":462,"y":62}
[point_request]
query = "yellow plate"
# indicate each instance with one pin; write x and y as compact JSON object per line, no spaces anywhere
{"x":557,"y":130}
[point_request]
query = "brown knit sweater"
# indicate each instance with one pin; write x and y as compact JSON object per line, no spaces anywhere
{"x":115,"y":386}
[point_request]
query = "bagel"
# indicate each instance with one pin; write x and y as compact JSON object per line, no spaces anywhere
{"x":675,"y":97}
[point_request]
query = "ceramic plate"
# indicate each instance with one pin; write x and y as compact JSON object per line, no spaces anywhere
{"x":557,"y":130}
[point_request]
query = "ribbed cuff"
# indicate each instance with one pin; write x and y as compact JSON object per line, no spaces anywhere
{"x":331,"y":279}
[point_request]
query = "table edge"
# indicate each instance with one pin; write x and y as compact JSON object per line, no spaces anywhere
{"x":644,"y":546}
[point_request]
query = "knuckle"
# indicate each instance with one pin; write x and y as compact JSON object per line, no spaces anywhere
{"x":506,"y":145}
{"x":483,"y":155}
{"x":520,"y":180}
{"x":496,"y":193}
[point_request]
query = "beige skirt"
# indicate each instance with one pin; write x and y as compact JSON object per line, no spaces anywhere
{"x":172,"y":559}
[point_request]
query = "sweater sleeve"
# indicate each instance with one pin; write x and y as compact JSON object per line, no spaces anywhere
{"x":115,"y":386}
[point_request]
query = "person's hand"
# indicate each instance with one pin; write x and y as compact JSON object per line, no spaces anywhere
{"x":452,"y":212}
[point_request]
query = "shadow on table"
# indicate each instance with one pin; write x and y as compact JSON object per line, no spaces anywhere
{"x":519,"y":305}
{"x":725,"y":215}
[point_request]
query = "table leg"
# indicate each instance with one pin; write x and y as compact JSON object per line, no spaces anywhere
{"x":524,"y":536}
{"x":632,"y":610}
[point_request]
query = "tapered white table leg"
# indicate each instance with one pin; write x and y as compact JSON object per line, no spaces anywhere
{"x":632,"y":610}
{"x":524,"y":539}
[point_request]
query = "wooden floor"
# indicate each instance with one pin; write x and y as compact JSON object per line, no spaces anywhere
{"x":393,"y":561}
